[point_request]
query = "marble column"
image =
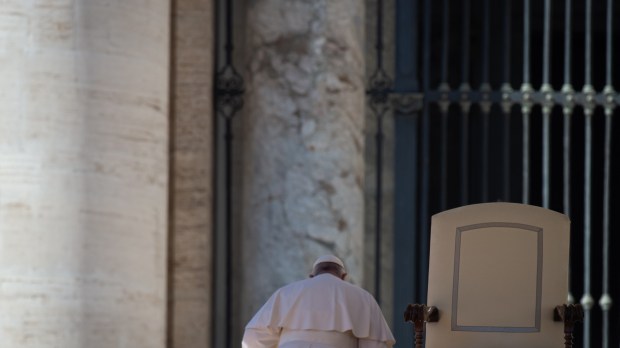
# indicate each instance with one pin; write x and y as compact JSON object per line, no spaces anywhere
{"x":191,"y":174}
{"x":304,"y":142}
{"x":83,"y":173}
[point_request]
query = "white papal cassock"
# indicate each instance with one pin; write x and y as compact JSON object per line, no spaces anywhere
{"x":319,"y":312}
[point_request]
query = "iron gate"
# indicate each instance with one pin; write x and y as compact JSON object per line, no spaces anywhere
{"x":503,"y":101}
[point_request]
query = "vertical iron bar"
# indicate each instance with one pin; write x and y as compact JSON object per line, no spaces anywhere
{"x":526,"y":158}
{"x":444,"y":106}
{"x":465,"y":89}
{"x":507,"y":35}
{"x":445,"y":42}
{"x":605,"y":301}
{"x":229,"y":32}
{"x":379,"y":33}
{"x":567,"y":110}
{"x":506,"y":88}
{"x":228,"y":94}
{"x":425,"y":211}
{"x":547,"y":104}
{"x":526,"y":89}
{"x":444,"y":160}
{"x":485,"y":42}
{"x":587,"y":300}
{"x":506,"y":152}
{"x":228,"y":175}
{"x":378,"y":207}
{"x":567,"y":41}
{"x":546,"y":41}
{"x":567,"y":141}
{"x":485,"y":156}
{"x":567,"y":178}
{"x":415,"y":34}
{"x":609,"y":30}
{"x":526,"y":41}
{"x":379,"y":160}
{"x":465,"y":41}
{"x":546,"y":157}
{"x":588,"y":48}
{"x":485,"y":105}
{"x":465,"y":157}
{"x":229,"y":242}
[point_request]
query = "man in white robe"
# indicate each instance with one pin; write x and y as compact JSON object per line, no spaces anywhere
{"x":323,"y":311}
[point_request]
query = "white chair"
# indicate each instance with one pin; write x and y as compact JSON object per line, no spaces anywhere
{"x":498,"y":277}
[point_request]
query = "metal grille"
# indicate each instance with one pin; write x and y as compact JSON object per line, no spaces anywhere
{"x":509,"y":101}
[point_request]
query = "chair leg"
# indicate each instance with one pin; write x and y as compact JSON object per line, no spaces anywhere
{"x":419,"y":315}
{"x":570,"y":314}
{"x":419,"y":338}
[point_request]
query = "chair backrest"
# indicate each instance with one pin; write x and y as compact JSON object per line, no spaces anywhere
{"x":496,"y":273}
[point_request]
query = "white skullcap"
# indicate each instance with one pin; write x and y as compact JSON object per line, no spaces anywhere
{"x":328,"y":258}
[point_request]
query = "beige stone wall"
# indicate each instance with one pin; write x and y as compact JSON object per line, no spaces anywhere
{"x":191,"y":187}
{"x":83,"y":173}
{"x":304,"y":142}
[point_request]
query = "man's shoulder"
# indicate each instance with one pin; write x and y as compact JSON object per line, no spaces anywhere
{"x":299,"y":284}
{"x":350,"y":288}
{"x":324,"y":282}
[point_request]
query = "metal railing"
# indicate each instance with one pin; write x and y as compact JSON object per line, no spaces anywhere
{"x":538,"y":132}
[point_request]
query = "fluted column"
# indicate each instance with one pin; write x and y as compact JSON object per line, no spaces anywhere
{"x":304,"y":143}
{"x":83,"y":173}
{"x":191,"y":186}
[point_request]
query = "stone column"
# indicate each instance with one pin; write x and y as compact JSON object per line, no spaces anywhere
{"x":304,"y":142}
{"x":192,"y":174}
{"x":83,"y":173}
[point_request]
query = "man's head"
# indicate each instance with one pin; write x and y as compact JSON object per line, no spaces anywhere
{"x":329,"y":264}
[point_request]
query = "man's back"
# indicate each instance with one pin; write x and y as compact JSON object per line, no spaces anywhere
{"x":321,"y":303}
{"x":320,"y":310}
